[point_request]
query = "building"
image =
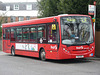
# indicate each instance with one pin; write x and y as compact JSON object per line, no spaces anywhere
{"x":20,"y":11}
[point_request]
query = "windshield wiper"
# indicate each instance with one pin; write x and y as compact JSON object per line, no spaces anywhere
{"x":87,"y":43}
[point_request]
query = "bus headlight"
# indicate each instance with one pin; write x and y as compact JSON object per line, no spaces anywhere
{"x":65,"y":50}
{"x":92,"y":48}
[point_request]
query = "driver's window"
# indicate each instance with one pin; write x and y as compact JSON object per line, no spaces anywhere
{"x":84,"y":31}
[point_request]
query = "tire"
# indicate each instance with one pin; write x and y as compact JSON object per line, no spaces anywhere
{"x":42,"y":55}
{"x":13,"y":51}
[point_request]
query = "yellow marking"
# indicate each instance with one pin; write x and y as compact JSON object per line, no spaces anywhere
{"x":83,"y":20}
{"x":73,"y":20}
{"x":53,"y":26}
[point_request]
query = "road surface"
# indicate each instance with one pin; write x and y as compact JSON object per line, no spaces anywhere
{"x":21,"y":65}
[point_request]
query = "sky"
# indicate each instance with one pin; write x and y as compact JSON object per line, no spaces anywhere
{"x":18,"y":0}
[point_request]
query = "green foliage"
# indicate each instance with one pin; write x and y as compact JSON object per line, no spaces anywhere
{"x":98,"y":15}
{"x":0,"y":32}
{"x":48,"y":8}
{"x":54,"y":7}
{"x":73,"y":6}
{"x":1,"y":20}
{"x":2,"y":17}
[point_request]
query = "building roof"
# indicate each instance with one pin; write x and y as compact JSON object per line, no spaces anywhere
{"x":22,"y":11}
{"x":22,"y":5}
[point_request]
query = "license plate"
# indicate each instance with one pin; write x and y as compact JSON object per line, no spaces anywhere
{"x":80,"y":56}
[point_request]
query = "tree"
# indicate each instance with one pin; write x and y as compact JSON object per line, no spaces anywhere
{"x":48,"y":8}
{"x":98,"y":15}
{"x":54,"y":7}
{"x":73,"y":6}
{"x":2,"y":18}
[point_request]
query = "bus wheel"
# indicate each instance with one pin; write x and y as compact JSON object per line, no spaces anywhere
{"x":42,"y":55}
{"x":13,"y":51}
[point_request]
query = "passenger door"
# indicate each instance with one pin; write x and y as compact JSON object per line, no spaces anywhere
{"x":6,"y":39}
{"x":8,"y":42}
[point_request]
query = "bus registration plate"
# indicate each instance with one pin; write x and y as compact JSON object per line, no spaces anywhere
{"x":80,"y":56}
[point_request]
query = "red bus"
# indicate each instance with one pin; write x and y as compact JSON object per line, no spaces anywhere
{"x":64,"y":36}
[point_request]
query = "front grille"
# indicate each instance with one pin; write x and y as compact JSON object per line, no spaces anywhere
{"x":78,"y":51}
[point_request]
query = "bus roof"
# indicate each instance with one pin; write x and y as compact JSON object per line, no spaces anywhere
{"x":37,"y":21}
{"x":30,"y":22}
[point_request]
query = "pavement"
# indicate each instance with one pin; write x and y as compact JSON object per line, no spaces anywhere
{"x":93,"y":58}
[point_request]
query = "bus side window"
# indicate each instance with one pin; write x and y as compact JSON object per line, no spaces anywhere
{"x":42,"y":32}
{"x":4,"y":34}
{"x":13,"y":34}
{"x":52,"y":35}
{"x":8,"y":33}
{"x":19,"y":34}
{"x":25,"y":34}
{"x":33,"y":34}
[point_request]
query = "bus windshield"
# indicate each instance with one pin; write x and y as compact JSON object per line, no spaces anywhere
{"x":76,"y":30}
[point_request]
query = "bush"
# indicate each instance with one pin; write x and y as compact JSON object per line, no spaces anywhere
{"x":0,"y":32}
